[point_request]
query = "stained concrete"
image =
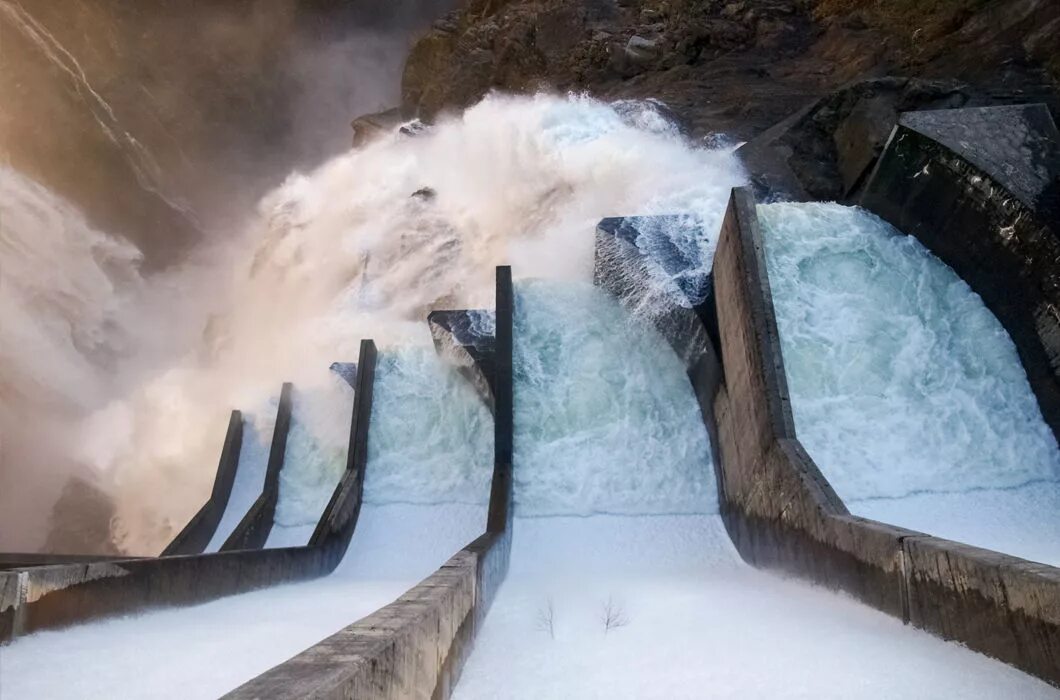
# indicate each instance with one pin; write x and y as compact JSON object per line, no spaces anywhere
{"x":416,"y":646}
{"x":196,"y":535}
{"x":781,"y":513}
{"x":48,"y":597}
{"x":778,"y":508}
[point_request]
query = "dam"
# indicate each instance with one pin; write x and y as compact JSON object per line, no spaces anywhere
{"x":557,"y":403}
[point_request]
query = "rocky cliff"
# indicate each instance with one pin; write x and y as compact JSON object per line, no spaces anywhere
{"x":732,"y":66}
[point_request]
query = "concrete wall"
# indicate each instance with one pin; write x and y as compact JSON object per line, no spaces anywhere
{"x":416,"y":646}
{"x":782,"y":514}
{"x":253,"y":530}
{"x":197,"y":534}
{"x":980,"y":188}
{"x":459,"y":343}
{"x":46,"y":597}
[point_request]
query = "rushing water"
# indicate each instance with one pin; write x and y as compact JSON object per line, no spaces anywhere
{"x":656,"y":604}
{"x":605,"y":420}
{"x":427,"y":484}
{"x":335,"y":255}
{"x":906,"y":390}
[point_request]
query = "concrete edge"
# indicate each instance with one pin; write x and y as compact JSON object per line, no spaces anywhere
{"x":474,"y":363}
{"x":253,"y":530}
{"x":417,"y":645}
{"x":781,"y":512}
{"x":196,"y":535}
{"x":51,"y":597}
{"x":339,"y":517}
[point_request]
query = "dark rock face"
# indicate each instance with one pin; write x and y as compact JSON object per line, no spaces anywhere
{"x":80,"y":522}
{"x":155,"y":117}
{"x":727,"y":67}
{"x":825,"y":151}
{"x":979,"y":188}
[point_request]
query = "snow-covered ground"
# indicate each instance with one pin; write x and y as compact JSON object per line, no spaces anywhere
{"x":207,"y":650}
{"x":698,"y":624}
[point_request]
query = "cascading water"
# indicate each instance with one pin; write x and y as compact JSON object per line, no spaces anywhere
{"x":426,"y":489}
{"x":614,"y":489}
{"x":605,"y":419}
{"x":906,"y":390}
{"x":314,"y":460}
{"x":337,"y":256}
{"x":653,"y":604}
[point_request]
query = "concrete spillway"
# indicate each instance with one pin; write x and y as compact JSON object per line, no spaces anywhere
{"x":434,"y":423}
{"x":686,"y":613}
{"x":633,"y":528}
{"x":905,"y":389}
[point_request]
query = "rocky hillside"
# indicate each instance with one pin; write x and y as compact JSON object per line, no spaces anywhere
{"x":160,"y":119}
{"x":732,"y":66}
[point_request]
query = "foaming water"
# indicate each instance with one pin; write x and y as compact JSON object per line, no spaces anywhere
{"x":430,"y":439}
{"x":660,"y":606}
{"x":605,"y":418}
{"x":314,"y":460}
{"x":690,"y":621}
{"x":905,"y":386}
{"x":431,"y":436}
{"x":370,"y":242}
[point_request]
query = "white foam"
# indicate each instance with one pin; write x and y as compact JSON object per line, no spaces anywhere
{"x":431,"y":437}
{"x":904,"y":385}
{"x":345,"y":252}
{"x":206,"y":650}
{"x":605,"y":418}
{"x":698,"y":624}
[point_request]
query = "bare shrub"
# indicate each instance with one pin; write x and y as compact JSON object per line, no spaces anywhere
{"x":613,"y":615}
{"x":546,"y":618}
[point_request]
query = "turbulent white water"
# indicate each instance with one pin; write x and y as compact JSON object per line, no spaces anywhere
{"x":697,"y":623}
{"x":605,"y":418}
{"x":905,"y":388}
{"x":314,"y":460}
{"x":430,"y":436}
{"x":346,"y":252}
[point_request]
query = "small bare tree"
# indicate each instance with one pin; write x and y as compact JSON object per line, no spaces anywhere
{"x":613,"y":615}
{"x":546,"y":618}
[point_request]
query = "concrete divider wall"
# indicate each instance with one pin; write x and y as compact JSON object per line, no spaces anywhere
{"x":416,"y":646}
{"x":460,"y":343}
{"x":781,"y":512}
{"x":45,"y":597}
{"x":197,"y":534}
{"x":253,"y":530}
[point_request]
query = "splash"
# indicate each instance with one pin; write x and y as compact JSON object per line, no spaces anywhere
{"x":351,"y":250}
{"x":904,"y":385}
{"x":605,"y":420}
